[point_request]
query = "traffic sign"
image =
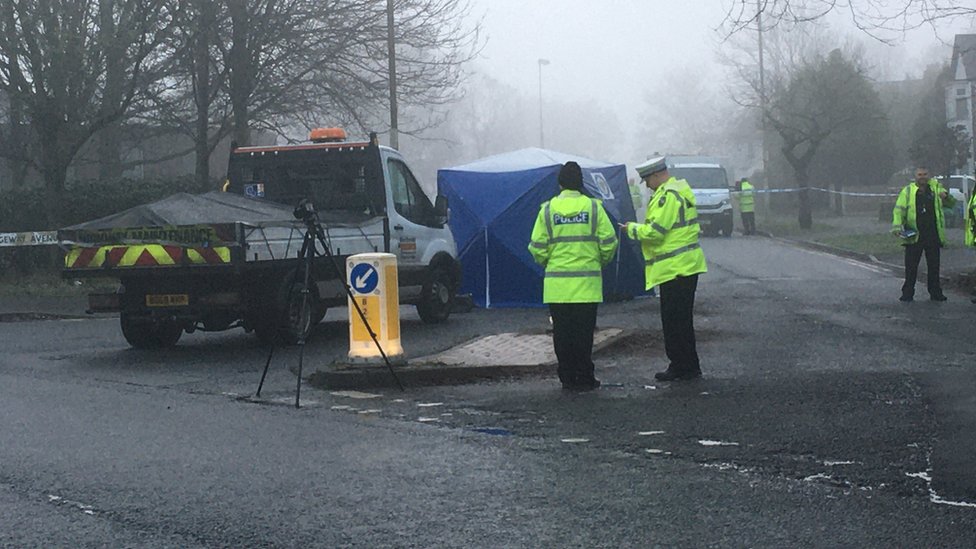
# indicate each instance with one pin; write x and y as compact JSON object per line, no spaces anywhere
{"x":363,"y":278}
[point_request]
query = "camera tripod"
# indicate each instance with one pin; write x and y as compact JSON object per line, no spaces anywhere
{"x":314,"y":234}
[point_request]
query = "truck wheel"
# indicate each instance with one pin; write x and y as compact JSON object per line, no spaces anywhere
{"x":436,"y":298}
{"x":296,"y":311}
{"x":144,"y":333}
{"x":283,"y":319}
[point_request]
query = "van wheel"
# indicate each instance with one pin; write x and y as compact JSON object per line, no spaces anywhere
{"x":436,"y":298}
{"x":145,"y":333}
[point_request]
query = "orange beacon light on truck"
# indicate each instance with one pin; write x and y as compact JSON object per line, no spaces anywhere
{"x":327,"y":135}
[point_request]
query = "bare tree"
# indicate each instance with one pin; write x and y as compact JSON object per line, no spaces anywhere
{"x":878,"y":18}
{"x":54,"y":60}
{"x":824,"y":96}
{"x":309,"y":60}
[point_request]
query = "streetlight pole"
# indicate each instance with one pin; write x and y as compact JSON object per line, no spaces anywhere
{"x":762,"y":107}
{"x":542,"y":135}
{"x":391,"y":48}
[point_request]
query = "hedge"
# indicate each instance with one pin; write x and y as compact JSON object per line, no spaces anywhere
{"x":25,"y":210}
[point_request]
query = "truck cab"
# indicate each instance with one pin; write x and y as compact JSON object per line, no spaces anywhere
{"x":709,"y":180}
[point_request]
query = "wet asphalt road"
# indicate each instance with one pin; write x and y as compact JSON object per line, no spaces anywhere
{"x":830,"y":415}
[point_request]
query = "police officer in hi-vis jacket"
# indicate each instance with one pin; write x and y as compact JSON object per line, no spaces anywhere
{"x":573,"y":239}
{"x":673,"y":259}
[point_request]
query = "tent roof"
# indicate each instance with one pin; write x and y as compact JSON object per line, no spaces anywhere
{"x":527,"y":159}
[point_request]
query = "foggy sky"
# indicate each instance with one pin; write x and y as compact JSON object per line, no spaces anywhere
{"x":612,"y":50}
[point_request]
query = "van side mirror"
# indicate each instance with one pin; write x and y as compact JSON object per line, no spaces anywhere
{"x":440,"y":210}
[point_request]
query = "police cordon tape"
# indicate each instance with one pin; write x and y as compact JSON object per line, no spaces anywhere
{"x":48,"y":238}
{"x":831,"y":191}
{"x":35,"y":238}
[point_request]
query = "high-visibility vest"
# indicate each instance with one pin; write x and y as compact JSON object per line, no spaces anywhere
{"x":573,"y":239}
{"x":747,"y":202}
{"x":669,"y":235}
{"x":903,"y":216}
{"x":636,"y":197}
{"x":971,"y":221}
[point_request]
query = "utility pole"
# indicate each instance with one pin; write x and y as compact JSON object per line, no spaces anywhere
{"x":391,"y":47}
{"x":542,"y":138}
{"x":762,"y":108}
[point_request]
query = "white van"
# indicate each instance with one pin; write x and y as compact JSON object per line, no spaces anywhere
{"x":710,"y":181}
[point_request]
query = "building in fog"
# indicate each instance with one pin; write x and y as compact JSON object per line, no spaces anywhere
{"x":961,"y":89}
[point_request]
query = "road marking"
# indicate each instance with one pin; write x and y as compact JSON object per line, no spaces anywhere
{"x":574,"y":440}
{"x":933,"y":496}
{"x":717,"y":443}
{"x":818,"y":476}
{"x":657,"y":451}
{"x":649,"y":433}
{"x":354,"y":394}
{"x":58,"y":500}
{"x":429,"y":404}
{"x":427,"y":419}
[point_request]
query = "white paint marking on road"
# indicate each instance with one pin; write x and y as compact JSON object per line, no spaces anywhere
{"x":427,"y":419}
{"x":341,"y":407}
{"x":370,"y":411}
{"x":935,"y":497}
{"x":398,"y":400}
{"x":58,"y":500}
{"x":835,"y":463}
{"x":717,"y":443}
{"x":354,"y":394}
{"x":657,"y":451}
{"x":650,"y":387}
{"x":726,"y":467}
{"x":649,"y":433}
{"x":574,"y":440}
{"x":429,"y":404}
{"x":818,"y":476}
{"x":447,"y":414}
{"x":704,"y":393}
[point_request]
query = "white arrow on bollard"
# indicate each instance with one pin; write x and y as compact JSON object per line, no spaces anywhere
{"x":361,"y":280}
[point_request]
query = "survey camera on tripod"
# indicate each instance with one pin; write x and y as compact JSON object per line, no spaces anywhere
{"x":305,"y":211}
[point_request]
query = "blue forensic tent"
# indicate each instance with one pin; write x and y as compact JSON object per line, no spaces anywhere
{"x":494,"y":202}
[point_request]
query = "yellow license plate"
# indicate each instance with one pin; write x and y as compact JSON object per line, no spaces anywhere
{"x":167,"y":300}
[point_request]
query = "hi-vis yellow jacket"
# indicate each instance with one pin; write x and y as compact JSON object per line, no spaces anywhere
{"x":903,"y":216}
{"x":669,"y":235}
{"x":971,"y":221}
{"x":747,"y":202}
{"x":573,"y":239}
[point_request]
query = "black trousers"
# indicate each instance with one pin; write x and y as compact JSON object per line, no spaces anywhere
{"x":678,"y":320}
{"x":913,"y":256}
{"x":572,"y":339}
{"x":749,"y":222}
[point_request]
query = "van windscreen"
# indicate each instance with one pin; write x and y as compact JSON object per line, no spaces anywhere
{"x":702,"y":177}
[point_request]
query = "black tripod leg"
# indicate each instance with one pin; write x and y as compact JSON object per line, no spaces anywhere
{"x":265,"y":373}
{"x":307,"y":242}
{"x":309,"y":257}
